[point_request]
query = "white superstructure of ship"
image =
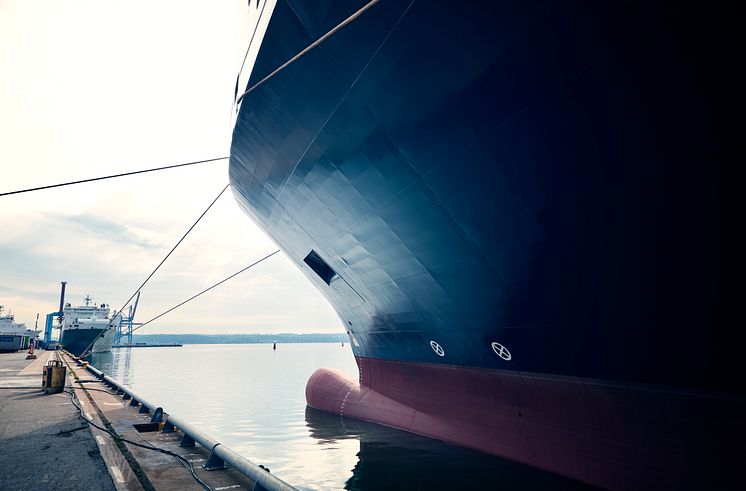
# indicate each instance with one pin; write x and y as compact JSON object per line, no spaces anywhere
{"x":13,"y":335}
{"x":89,"y":327}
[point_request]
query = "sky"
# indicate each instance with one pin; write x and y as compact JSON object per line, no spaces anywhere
{"x":91,"y":88}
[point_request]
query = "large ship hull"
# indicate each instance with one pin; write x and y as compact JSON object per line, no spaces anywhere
{"x":617,"y":436}
{"x":517,"y":211}
{"x":104,"y":343}
{"x":78,"y":341}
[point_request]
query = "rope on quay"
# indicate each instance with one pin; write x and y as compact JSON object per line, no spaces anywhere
{"x":112,"y":176}
{"x":117,"y":437}
{"x":37,"y":387}
{"x":220,"y":455}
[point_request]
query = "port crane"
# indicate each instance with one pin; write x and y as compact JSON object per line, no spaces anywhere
{"x":124,"y":330}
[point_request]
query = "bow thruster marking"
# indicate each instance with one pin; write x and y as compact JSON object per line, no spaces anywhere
{"x":501,"y":351}
{"x":437,"y":348}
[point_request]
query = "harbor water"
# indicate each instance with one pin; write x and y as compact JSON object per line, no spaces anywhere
{"x":252,"y":398}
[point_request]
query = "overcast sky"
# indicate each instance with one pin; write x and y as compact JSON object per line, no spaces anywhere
{"x":89,"y":88}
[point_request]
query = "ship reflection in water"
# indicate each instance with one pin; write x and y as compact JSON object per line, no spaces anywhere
{"x":394,"y":459}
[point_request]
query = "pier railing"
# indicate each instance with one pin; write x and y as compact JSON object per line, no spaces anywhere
{"x":220,"y":456}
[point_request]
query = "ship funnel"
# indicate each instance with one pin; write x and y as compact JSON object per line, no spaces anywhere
{"x":62,"y":300}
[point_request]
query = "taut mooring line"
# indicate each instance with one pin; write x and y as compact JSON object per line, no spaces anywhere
{"x":70,"y":183}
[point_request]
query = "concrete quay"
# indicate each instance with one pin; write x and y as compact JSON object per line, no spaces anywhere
{"x":45,"y":444}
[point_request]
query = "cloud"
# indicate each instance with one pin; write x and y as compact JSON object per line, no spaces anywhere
{"x":110,"y":230}
{"x":119,"y":114}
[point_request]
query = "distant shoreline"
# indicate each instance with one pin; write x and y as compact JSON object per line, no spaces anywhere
{"x":239,"y":338}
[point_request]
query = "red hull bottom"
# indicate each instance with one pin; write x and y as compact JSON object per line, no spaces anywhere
{"x":610,"y":435}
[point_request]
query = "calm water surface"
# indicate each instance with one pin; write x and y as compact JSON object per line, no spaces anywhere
{"x":252,"y":399}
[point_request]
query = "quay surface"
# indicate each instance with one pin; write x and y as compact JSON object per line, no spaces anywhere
{"x":44,"y":444}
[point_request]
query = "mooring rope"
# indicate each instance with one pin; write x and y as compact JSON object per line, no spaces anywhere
{"x":174,"y":247}
{"x":86,"y":350}
{"x":308,"y":48}
{"x":110,"y":343}
{"x":112,"y":176}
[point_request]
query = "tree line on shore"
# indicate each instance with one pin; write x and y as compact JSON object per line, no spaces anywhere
{"x":239,"y":338}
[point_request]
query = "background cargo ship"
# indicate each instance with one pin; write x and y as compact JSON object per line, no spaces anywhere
{"x":516,"y":209}
{"x":88,"y":327}
{"x":13,"y":335}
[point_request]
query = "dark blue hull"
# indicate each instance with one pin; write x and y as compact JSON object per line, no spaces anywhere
{"x":517,"y":187}
{"x":77,"y":341}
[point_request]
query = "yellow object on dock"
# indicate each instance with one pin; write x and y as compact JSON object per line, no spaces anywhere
{"x":53,"y":379}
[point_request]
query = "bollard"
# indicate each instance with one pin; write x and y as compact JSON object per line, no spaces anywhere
{"x":53,"y":378}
